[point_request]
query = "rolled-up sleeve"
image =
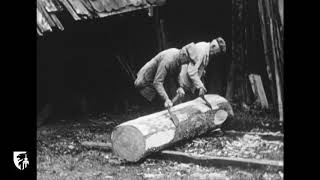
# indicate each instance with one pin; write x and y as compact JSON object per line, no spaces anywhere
{"x":181,"y":79}
{"x":159,"y":79}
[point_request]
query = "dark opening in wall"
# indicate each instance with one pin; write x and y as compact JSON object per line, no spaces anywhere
{"x":193,"y":21}
{"x":80,"y":62}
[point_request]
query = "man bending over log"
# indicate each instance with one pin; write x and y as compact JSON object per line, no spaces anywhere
{"x":168,"y":64}
{"x":200,"y":53}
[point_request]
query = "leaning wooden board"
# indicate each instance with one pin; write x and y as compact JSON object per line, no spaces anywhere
{"x":135,"y":139}
{"x":217,"y":161}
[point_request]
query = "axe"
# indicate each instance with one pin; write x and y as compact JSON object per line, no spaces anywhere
{"x":206,"y":101}
{"x":173,"y":117}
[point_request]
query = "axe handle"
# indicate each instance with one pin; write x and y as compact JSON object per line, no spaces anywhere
{"x":175,"y":98}
{"x":173,"y":118}
{"x":169,"y":110}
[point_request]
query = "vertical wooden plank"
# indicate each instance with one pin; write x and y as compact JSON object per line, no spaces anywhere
{"x":279,"y":52}
{"x":258,"y":90}
{"x":246,"y":56}
{"x":231,"y":75}
{"x":163,"y":35}
{"x":277,"y":68}
{"x":281,"y":59}
{"x":231,"y":82}
{"x":280,"y":106}
{"x":280,"y":9}
{"x":157,"y":29}
{"x":278,"y":27}
{"x":242,"y":40}
{"x":279,"y":94}
{"x":265,"y":48}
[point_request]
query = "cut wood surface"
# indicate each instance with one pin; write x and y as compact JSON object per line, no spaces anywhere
{"x":216,"y":161}
{"x":137,"y":138}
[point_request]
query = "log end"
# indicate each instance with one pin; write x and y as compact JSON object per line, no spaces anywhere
{"x":128,"y":143}
{"x":219,"y":117}
{"x":220,"y":102}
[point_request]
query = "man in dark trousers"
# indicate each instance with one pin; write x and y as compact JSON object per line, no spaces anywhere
{"x":167,"y":65}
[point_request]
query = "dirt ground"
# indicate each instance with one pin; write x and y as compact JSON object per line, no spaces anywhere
{"x":61,"y":155}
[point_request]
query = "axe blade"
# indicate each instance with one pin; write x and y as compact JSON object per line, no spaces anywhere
{"x":173,"y":118}
{"x":206,"y":101}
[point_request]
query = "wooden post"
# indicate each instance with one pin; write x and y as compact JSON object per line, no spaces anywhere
{"x":278,"y":41}
{"x":279,"y":94}
{"x":231,"y":82}
{"x":160,"y":32}
{"x":163,"y":35}
{"x":234,"y":53}
{"x":158,"y":29}
{"x":258,"y":90}
{"x":265,"y":47}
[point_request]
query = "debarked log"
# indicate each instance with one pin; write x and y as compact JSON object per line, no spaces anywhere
{"x":135,"y":139}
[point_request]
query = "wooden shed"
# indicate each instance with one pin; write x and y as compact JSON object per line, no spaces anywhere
{"x":79,"y":45}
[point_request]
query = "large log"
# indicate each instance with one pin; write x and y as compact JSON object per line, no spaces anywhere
{"x":135,"y":139}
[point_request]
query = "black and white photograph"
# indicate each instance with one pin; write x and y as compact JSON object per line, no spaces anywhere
{"x":159,"y":89}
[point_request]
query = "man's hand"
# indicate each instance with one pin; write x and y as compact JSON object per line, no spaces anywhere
{"x":180,"y":91}
{"x":202,"y":91}
{"x":168,"y":103}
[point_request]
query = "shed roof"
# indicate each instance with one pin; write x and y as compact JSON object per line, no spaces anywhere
{"x":84,"y":9}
